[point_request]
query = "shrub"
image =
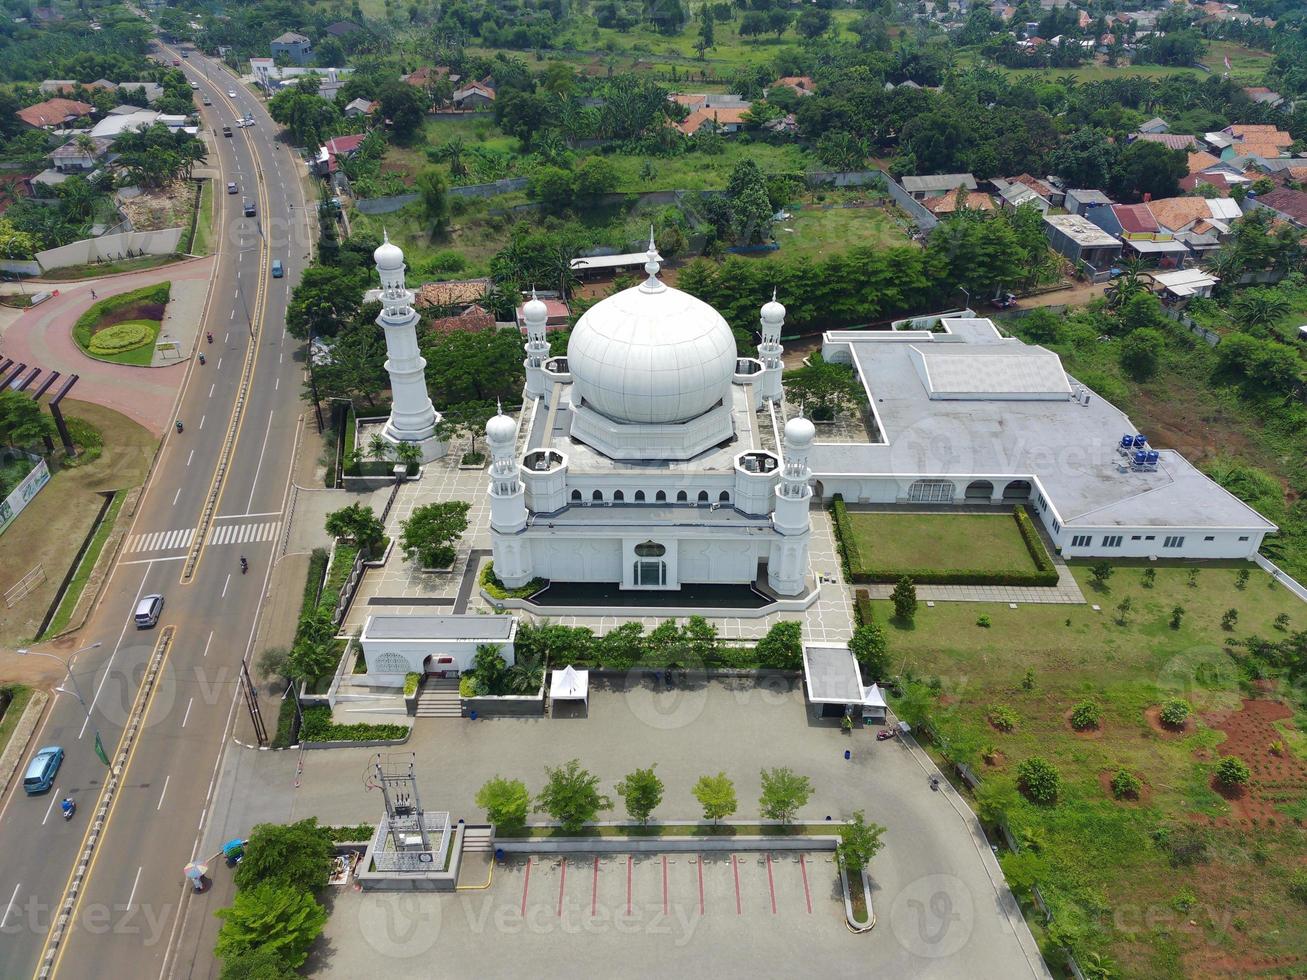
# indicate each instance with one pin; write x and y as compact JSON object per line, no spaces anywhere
{"x":782,"y":647}
{"x":983,"y":622}
{"x":1229,"y":618}
{"x":1185,"y":846}
{"x":1298,"y":886}
{"x":1100,"y":572}
{"x":1175,"y":712}
{"x":318,"y":727}
{"x":904,"y":598}
{"x":297,"y":854}
{"x":506,"y":802}
{"x":121,"y":337}
{"x":1125,"y":784}
{"x":1002,"y":717}
{"x":1241,"y":580}
{"x":280,"y":918}
{"x":496,"y":589}
{"x":467,"y":684}
{"x":1232,"y":772}
{"x":1038,"y":781}
{"x":1086,"y":715}
{"x":1177,"y":615}
{"x":1149,"y":578}
{"x":862,"y":610}
{"x":411,"y":680}
{"x":870,"y":648}
{"x":350,"y":833}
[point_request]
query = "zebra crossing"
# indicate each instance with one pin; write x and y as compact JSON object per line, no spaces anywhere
{"x":223,"y":532}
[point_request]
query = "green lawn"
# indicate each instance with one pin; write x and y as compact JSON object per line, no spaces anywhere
{"x":940,"y":542}
{"x":143,"y":306}
{"x":707,"y":171}
{"x":95,"y":270}
{"x":202,"y":242}
{"x":9,"y":722}
{"x":1095,"y":858}
{"x":73,"y":593}
{"x":820,"y":230}
{"x":1247,"y":65}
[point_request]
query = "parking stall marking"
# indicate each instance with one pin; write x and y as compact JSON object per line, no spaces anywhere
{"x":526,"y":884}
{"x":807,"y":892}
{"x":562,"y":885}
{"x":735,"y":867}
{"x":771,"y":885}
{"x":630,"y":863}
{"x":594,"y":890}
{"x":664,"y":884}
{"x":700,"y":863}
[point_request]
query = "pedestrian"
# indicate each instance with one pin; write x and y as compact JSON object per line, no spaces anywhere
{"x":92,"y":294}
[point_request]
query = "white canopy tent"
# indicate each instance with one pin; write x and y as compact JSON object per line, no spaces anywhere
{"x":570,"y":684}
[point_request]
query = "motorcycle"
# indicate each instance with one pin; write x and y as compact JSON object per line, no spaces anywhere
{"x":886,"y":733}
{"x":179,"y":425}
{"x":208,"y":336}
{"x":201,"y":360}
{"x":245,"y":565}
{"x":69,"y":808}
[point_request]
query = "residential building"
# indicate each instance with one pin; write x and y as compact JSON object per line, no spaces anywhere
{"x":799,"y":84}
{"x":66,"y":86}
{"x":342,"y":28}
{"x":474,"y":95}
{"x":1249,"y":140}
{"x":933,"y":185}
{"x":1182,"y":284}
{"x":1155,"y":125}
{"x":1264,"y":96}
{"x":1198,"y":222}
{"x":293,"y":46}
{"x":1172,"y":141}
{"x":273,"y":78}
{"x":472,"y":319}
{"x":1201,"y":160}
{"x":1288,"y":204}
{"x":454,"y":294}
{"x":54,"y":113}
{"x":325,"y":163}
{"x":724,"y":119}
{"x":1140,"y":234}
{"x":1080,"y":240}
{"x":955,"y":200}
{"x":360,"y":107}
{"x":1082,"y":200}
{"x":428,"y":75}
{"x":1222,"y":180}
{"x":73,"y":158}
{"x":556,"y":314}
{"x":114,"y":124}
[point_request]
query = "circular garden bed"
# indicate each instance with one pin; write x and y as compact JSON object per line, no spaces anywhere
{"x":123,"y":328}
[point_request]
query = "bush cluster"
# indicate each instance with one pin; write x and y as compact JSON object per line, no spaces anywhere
{"x":496,"y":589}
{"x":318,"y":727}
{"x":121,"y":337}
{"x":1039,"y":781}
{"x":1086,"y":715}
{"x":1175,"y":712}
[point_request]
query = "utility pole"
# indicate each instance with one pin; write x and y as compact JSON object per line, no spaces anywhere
{"x":252,"y":704}
{"x":75,"y":691}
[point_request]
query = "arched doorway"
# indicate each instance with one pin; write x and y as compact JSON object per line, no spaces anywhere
{"x":1017,"y":490}
{"x":980,"y":490}
{"x":650,"y":569}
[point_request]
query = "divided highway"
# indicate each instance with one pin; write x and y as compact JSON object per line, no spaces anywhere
{"x":195,"y":519}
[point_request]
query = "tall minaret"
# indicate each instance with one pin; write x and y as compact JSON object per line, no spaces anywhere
{"x":787,"y":562}
{"x":511,"y":550}
{"x":412,"y":417}
{"x":536,"y":315}
{"x":769,"y":352}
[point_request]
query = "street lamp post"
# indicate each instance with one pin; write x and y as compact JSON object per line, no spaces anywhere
{"x":72,"y":680}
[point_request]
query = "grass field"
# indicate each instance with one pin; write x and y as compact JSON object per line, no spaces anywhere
{"x":940,"y":542}
{"x":94,"y":270}
{"x":202,"y":243}
{"x":21,"y":695}
{"x":1108,"y":880}
{"x":68,"y":604}
{"x":1246,"y":64}
{"x":818,"y":230}
{"x":706,"y":171}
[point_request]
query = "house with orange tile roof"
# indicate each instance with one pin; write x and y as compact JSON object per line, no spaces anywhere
{"x":1201,"y":160}
{"x":726,"y":119}
{"x":948,"y":203}
{"x":53,"y":113}
{"x":800,"y":84}
{"x":1200,"y":223}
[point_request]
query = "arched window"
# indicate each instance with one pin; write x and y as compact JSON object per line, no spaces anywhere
{"x":639,"y":496}
{"x":618,"y":496}
{"x":650,"y":549}
{"x":724,"y":497}
{"x":598,"y":495}
{"x":931,"y":492}
{"x":979,"y":490}
{"x":649,"y":568}
{"x":576,"y":496}
{"x":681,"y":497}
{"x":661,"y":498}
{"x":703,"y":496}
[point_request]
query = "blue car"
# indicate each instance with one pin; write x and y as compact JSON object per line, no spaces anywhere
{"x":42,"y":769}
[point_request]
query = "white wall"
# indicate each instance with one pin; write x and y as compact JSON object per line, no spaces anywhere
{"x":1135,"y":542}
{"x":111,"y":247}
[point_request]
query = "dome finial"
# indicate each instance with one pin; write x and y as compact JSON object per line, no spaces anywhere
{"x":652,"y":284}
{"x":499,"y":402}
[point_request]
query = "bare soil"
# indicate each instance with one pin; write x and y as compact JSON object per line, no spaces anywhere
{"x":1277,"y":780}
{"x":1154,"y":718}
{"x":135,"y":311}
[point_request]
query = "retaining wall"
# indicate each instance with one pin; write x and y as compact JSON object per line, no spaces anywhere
{"x":111,"y":248}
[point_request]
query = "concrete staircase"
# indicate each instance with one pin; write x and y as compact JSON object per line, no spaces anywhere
{"x":478,"y":839}
{"x":439,"y":699}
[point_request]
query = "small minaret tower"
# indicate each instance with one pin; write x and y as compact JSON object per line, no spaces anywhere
{"x":770,"y":351}
{"x":412,"y":417}
{"x":512,"y":555}
{"x":536,"y":315}
{"x":787,"y":563}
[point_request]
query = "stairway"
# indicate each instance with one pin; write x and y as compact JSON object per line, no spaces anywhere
{"x":439,"y":699}
{"x":478,"y":839}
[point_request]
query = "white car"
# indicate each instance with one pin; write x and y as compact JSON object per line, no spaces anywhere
{"x":195,"y":86}
{"x":231,"y":93}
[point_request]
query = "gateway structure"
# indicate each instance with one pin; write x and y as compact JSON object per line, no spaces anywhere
{"x":966,"y":415}
{"x":649,"y":457}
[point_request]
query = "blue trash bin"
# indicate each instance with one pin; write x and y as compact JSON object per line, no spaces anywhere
{"x":848,"y":754}
{"x":472,"y":714}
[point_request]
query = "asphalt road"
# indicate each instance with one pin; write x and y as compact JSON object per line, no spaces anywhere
{"x":128,"y":910}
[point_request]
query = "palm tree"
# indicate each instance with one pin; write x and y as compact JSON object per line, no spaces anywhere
{"x":559,"y":262}
{"x":524,"y":675}
{"x":379,"y":447}
{"x":451,"y":152}
{"x":1257,"y":311}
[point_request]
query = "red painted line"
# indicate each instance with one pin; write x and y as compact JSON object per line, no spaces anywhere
{"x":594,"y":890}
{"x":807,"y":892}
{"x":771,"y":885}
{"x":562,"y":883}
{"x":664,"y":884}
{"x":701,"y":884}
{"x":630,"y":861}
{"x":735,"y":866}
{"x":526,"y":883}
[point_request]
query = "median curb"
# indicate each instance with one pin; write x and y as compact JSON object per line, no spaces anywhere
{"x":20,"y":739}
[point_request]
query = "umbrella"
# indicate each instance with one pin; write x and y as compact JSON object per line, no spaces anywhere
{"x":195,"y":870}
{"x":232,"y":846}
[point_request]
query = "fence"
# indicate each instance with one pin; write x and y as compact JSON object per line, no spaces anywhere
{"x":1207,"y":336}
{"x":383,"y":205}
{"x":25,"y":586}
{"x":847,"y":178}
{"x":924,"y":219}
{"x":505,"y":186}
{"x":20,"y":267}
{"x":108,"y":248}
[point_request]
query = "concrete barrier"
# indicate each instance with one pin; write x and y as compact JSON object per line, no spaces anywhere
{"x":111,"y":248}
{"x":664,"y":845}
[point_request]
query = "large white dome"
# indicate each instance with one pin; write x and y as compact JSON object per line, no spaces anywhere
{"x":651,"y":356}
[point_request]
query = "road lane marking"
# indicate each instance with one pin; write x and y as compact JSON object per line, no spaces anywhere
{"x":100,"y":687}
{"x":263,"y":451}
{"x":165,"y":784}
{"x":10,"y":907}
{"x":220,"y":363}
{"x":207,"y":642}
{"x":202,"y":418}
{"x":186,"y":716}
{"x":151,"y":561}
{"x":211,"y":387}
{"x":262,"y":513}
{"x":176,"y":495}
{"x":225,"y":584}
{"x":53,"y":796}
{"x":190,"y":457}
{"x":131,"y":899}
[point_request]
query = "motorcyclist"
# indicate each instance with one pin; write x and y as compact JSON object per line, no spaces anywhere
{"x":245,"y":566}
{"x":179,"y":425}
{"x":66,"y":805}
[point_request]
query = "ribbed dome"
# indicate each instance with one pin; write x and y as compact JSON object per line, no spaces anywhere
{"x":651,"y":356}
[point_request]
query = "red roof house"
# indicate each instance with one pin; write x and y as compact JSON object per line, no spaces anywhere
{"x":54,"y":112}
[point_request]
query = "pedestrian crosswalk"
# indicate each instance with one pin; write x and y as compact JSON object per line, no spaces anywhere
{"x":223,"y":532}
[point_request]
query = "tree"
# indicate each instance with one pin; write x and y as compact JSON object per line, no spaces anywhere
{"x":752,"y":215}
{"x":551,"y":186}
{"x":435,"y":197}
{"x":859,"y":842}
{"x":274,"y":917}
{"x":431,"y":530}
{"x":358,"y":525}
{"x":571,"y":796}
{"x":297,"y":855}
{"x":1141,"y":351}
{"x":1145,"y":168}
{"x":643,"y":791}
{"x":781,"y":648}
{"x":1232,"y":772}
{"x":842,"y":151}
{"x":15,"y":244}
{"x":904,"y":598}
{"x":402,"y":106}
{"x":783,"y":794}
{"x":812,"y":23}
{"x":490,"y":670}
{"x":1086,"y":158}
{"x":22,"y":423}
{"x":1258,"y":309}
{"x":716,"y":794}
{"x":1038,"y":781}
{"x":274,"y":663}
{"x":506,"y":802}
{"x":258,"y":964}
{"x":707,"y":35}
{"x":594,"y":176}
{"x":314,"y":654}
{"x":871,"y":649}
{"x":1100,"y":572}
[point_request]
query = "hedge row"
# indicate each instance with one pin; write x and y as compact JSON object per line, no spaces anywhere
{"x":318,"y":727}
{"x":862,"y":612}
{"x":1045,"y":572}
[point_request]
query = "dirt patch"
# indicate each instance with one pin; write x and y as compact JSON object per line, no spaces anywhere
{"x":995,"y":760}
{"x":167,"y":207}
{"x":135,"y":311}
{"x":1086,"y":733}
{"x":1277,"y":781}
{"x":1145,"y":794}
{"x":1154,"y":717}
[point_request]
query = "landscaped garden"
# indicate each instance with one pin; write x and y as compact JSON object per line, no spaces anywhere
{"x":1146,"y":756}
{"x":123,"y":328}
{"x":943,"y":548}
